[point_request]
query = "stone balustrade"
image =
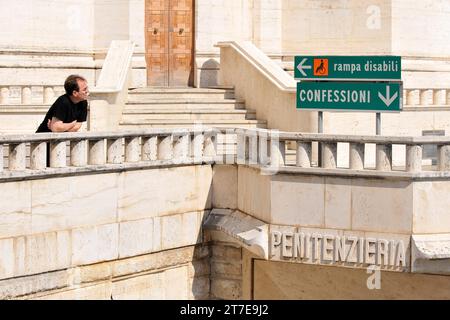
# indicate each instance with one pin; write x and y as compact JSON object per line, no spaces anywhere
{"x":426,"y":97}
{"x":74,"y":152}
{"x":268,"y":147}
{"x":27,"y":154}
{"x":27,"y":94}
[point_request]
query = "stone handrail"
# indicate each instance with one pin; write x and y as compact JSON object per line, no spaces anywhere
{"x":263,"y":85}
{"x":252,"y":148}
{"x":104,"y":150}
{"x":263,"y":63}
{"x":109,"y":96}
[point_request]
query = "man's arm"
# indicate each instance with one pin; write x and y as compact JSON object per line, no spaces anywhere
{"x":57,"y":125}
{"x":76,"y":127}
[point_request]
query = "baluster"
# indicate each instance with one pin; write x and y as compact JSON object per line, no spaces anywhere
{"x":149,"y":148}
{"x":356,"y":156}
{"x":114,"y":151}
{"x":38,"y":155}
{"x":26,"y":95}
{"x":329,"y":155}
{"x":57,"y":154}
{"x":1,"y":157}
{"x":4,"y":95}
{"x":413,"y":97}
{"x":241,"y":147}
{"x":181,"y":147}
{"x":210,"y":146}
{"x":263,"y":156}
{"x":444,"y":157}
{"x":384,"y":157}
{"x":49,"y":95}
{"x":448,"y":97}
{"x":413,"y":158}
{"x":97,"y":152}
{"x":165,"y":148}
{"x":303,"y":154}
{"x":197,"y":147}
{"x":439,"y":97}
{"x":277,"y":150}
{"x":78,"y":153}
{"x":426,"y":97}
{"x":132,"y":149}
{"x":17,"y":156}
{"x":253,"y":147}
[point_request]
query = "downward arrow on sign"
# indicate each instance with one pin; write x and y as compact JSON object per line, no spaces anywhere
{"x":388,"y":100}
{"x":300,"y":67}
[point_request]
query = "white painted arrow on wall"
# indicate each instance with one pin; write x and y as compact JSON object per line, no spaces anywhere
{"x":301,"y":67}
{"x":388,"y":99}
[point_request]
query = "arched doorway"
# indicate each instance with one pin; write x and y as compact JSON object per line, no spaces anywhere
{"x":169,"y":26}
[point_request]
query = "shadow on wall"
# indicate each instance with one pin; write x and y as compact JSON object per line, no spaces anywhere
{"x":209,"y":73}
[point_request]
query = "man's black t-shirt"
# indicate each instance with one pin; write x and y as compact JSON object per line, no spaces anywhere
{"x":66,"y":111}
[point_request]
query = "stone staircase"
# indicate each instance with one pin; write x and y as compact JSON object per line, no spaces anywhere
{"x":186,"y":107}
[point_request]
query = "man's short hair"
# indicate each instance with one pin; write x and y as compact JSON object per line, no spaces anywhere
{"x":71,"y":83}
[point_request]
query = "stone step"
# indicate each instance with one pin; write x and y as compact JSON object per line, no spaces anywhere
{"x":148,"y":115}
{"x":178,"y":93}
{"x":186,"y":104}
{"x":174,"y":123}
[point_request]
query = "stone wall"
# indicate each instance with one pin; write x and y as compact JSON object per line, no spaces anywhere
{"x":93,"y":232}
{"x":226,"y":271}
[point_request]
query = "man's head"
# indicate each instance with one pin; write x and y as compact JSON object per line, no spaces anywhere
{"x":76,"y":88}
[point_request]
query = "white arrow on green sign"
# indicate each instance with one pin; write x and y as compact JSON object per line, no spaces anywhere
{"x":348,"y":68}
{"x":349,"y":96}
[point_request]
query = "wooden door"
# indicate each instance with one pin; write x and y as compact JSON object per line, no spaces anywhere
{"x":169,"y":42}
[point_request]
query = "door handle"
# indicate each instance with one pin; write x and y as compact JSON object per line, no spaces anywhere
{"x":180,"y":32}
{"x":155,"y":31}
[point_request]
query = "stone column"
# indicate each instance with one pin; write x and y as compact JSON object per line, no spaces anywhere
{"x":149,"y":148}
{"x":17,"y":156}
{"x":356,"y":156}
{"x":97,"y":152}
{"x":38,"y":155}
{"x":303,"y":155}
{"x":165,"y":148}
{"x":181,"y":147}
{"x":384,"y":157}
{"x":413,"y":158}
{"x":132,"y":149}
{"x":329,"y":155}
{"x":57,"y":154}
{"x":115,"y":151}
{"x":444,"y":157}
{"x":26,"y":95}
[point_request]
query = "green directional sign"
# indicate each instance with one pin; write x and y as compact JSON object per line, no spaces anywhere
{"x":349,"y":96}
{"x":347,"y":67}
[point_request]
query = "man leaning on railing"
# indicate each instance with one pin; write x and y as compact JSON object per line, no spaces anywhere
{"x":69,"y":111}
